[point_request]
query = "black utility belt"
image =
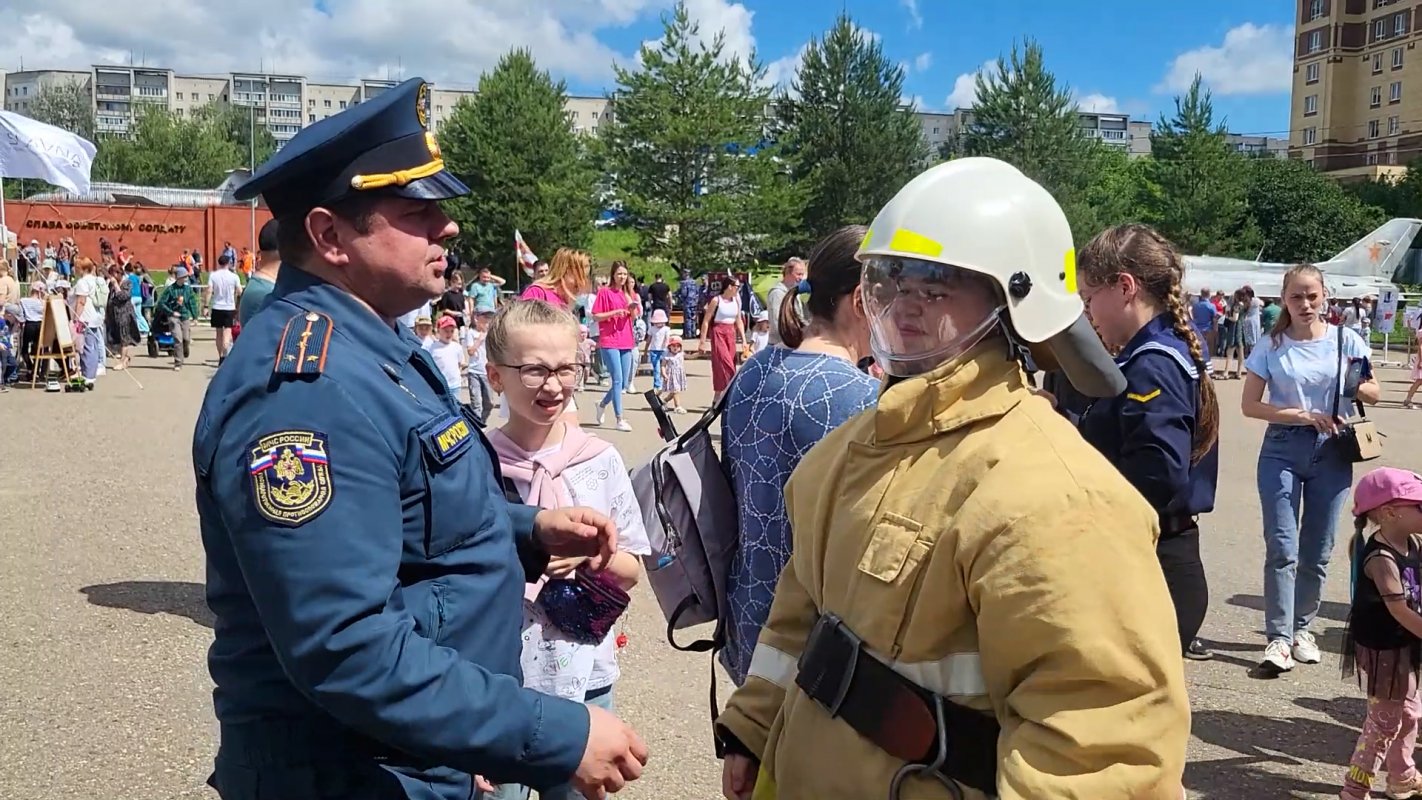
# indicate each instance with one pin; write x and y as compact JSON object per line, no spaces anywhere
{"x":934,"y":735}
{"x":1176,"y":524}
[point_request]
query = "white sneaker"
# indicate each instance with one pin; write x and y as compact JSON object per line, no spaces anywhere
{"x":601,"y":413}
{"x":1277,"y":658}
{"x":1306,"y":648}
{"x":631,"y":388}
{"x":623,"y":426}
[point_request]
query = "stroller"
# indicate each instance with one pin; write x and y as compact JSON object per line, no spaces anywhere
{"x":160,"y":336}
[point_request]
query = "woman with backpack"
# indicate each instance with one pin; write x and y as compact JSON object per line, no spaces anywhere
{"x":782,"y":402}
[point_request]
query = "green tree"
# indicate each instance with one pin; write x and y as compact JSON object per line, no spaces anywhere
{"x":1024,"y":117}
{"x":167,"y":150}
{"x":1195,"y":184}
{"x":689,"y":152}
{"x":1112,"y":184}
{"x":65,"y":105}
{"x":850,"y":142}
{"x":512,"y":144}
{"x":1303,"y":215}
{"x":239,"y":126}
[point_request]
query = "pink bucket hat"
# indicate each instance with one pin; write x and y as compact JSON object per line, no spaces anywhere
{"x":1385,"y":485}
{"x":659,"y":317}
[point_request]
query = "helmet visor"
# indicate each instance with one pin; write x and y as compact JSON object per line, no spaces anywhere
{"x":923,"y":313}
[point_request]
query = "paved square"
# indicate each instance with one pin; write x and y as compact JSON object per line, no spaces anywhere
{"x":104,"y":631}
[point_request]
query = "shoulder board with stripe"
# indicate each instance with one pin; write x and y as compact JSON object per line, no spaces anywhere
{"x":1160,"y":347}
{"x":302,"y":350}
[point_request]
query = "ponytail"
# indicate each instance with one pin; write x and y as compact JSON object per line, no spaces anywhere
{"x":834,"y":275}
{"x":1207,"y":419}
{"x":791,"y":327}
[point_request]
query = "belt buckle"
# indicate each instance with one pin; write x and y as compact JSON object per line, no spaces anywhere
{"x":825,"y":645}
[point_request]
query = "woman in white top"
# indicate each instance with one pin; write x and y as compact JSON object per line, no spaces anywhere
{"x":89,"y":313}
{"x":726,"y":327}
{"x":1300,"y":464}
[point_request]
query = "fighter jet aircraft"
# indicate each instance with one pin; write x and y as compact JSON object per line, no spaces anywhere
{"x":1364,"y":268}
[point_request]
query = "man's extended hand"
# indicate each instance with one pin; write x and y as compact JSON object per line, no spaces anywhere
{"x":577,"y":532}
{"x":614,"y":756}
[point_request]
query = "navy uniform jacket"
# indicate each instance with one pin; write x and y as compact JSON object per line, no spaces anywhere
{"x":364,"y":568}
{"x":1148,"y":431}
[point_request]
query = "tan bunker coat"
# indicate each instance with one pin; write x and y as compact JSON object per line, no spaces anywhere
{"x":978,"y":545}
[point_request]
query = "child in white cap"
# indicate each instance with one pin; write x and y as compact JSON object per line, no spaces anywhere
{"x":656,"y":349}
{"x":760,"y":332}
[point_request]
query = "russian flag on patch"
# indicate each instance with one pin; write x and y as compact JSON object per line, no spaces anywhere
{"x":310,"y":455}
{"x":262,"y":462}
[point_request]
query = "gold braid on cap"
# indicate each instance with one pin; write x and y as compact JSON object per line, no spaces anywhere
{"x":403,"y":176}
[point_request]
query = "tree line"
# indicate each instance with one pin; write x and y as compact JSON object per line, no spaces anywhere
{"x":716,"y":169}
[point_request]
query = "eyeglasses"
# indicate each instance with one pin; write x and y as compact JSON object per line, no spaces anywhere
{"x":534,"y":376}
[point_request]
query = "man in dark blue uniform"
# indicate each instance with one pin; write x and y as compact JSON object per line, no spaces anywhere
{"x":364,"y":567}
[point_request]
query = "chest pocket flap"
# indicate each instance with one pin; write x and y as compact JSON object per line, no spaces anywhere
{"x":895,"y":547}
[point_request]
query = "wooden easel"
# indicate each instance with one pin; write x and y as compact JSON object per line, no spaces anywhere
{"x":56,"y":341}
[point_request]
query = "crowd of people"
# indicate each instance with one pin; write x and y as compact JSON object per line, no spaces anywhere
{"x":416,"y":600}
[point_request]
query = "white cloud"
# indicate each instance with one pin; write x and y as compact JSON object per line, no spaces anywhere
{"x":732,"y":19}
{"x":449,"y":43}
{"x":1253,"y":59}
{"x":782,"y":71}
{"x":965,"y":87}
{"x":923,"y":61}
{"x":915,"y":18}
{"x":1099,"y":103}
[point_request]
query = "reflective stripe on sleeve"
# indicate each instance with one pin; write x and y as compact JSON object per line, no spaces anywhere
{"x":770,"y":664}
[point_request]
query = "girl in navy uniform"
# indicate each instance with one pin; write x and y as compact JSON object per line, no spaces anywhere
{"x":1162,"y":432}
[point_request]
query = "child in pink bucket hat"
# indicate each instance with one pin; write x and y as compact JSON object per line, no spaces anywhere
{"x":1384,"y":633}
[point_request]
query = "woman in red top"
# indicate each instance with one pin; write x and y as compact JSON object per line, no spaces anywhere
{"x":614,"y":309}
{"x":567,"y":278}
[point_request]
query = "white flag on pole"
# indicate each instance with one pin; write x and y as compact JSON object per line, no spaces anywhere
{"x":525,"y":255}
{"x":32,"y":149}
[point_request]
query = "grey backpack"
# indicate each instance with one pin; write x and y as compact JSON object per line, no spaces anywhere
{"x":689,"y":510}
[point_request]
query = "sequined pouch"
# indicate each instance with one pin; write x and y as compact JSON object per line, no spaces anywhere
{"x":586,"y":607}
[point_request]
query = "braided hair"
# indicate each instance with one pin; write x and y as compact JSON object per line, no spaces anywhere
{"x":1156,"y":265}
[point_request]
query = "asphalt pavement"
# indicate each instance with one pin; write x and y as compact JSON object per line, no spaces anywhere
{"x":104,"y":630}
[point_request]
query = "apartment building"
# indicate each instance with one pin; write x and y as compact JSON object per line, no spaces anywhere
{"x":937,"y":129}
{"x":1356,"y":109}
{"x":1118,"y":131}
{"x":21,"y":88}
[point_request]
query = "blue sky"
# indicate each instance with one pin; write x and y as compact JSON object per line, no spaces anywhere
{"x":1133,"y":57}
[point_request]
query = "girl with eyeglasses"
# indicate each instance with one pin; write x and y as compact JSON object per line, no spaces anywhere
{"x":533,"y":361}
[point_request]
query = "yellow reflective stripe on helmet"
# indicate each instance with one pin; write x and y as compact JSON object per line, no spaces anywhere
{"x":906,"y":241}
{"x":1069,"y":270}
{"x":868,"y":235}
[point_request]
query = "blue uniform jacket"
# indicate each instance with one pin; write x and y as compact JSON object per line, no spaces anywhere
{"x":1148,"y":431}
{"x":364,"y":568}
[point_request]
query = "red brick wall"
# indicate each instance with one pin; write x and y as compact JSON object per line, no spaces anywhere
{"x":155,"y":234}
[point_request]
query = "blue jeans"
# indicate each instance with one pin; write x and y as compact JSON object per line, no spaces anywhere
{"x":93,"y":354}
{"x":619,"y":368}
{"x":1297,"y":465}
{"x":602,"y":698}
{"x":654,"y":357}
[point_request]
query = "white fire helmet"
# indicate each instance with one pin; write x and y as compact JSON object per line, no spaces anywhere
{"x":983,"y":216}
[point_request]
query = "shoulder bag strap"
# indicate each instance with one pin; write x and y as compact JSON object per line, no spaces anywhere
{"x":1338,"y":379}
